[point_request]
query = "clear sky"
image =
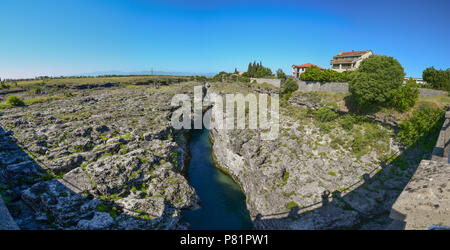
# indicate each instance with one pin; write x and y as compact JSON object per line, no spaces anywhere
{"x":54,"y":37}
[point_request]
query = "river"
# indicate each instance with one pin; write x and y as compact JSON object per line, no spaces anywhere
{"x":222,"y":200}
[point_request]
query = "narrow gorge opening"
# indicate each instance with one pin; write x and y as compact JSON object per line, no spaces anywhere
{"x":222,"y":201}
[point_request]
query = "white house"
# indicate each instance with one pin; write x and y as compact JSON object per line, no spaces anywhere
{"x":297,"y":70}
{"x":348,"y":60}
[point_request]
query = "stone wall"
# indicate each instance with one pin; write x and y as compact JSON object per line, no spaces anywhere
{"x":342,"y":87}
{"x":431,"y":92}
{"x":274,"y":82}
{"x":425,"y":201}
{"x":441,"y":149}
{"x":337,"y":87}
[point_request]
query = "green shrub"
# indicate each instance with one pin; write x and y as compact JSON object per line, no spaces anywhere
{"x":243,"y":79}
{"x":422,"y":127}
{"x":315,"y":74}
{"x":15,"y":101}
{"x":4,"y":85}
{"x":360,"y":144}
{"x":347,"y":122}
{"x":291,"y":205}
{"x":289,"y":86}
{"x":406,"y":96}
{"x":281,"y":74}
{"x":374,"y":82}
{"x":324,"y":114}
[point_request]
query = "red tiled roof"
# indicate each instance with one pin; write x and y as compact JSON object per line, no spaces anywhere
{"x":305,"y":65}
{"x":352,"y":53}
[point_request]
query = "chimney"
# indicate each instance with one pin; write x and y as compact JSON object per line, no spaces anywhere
{"x":340,"y":52}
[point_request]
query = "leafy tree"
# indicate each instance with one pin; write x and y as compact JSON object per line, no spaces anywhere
{"x":406,"y":96}
{"x":281,"y":74}
{"x":438,"y":79}
{"x":312,"y":74}
{"x":317,"y":75}
{"x":375,"y":80}
{"x":249,"y":69}
{"x":257,"y":70}
{"x":289,"y":86}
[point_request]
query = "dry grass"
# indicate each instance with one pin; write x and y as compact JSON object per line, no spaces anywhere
{"x":94,"y":80}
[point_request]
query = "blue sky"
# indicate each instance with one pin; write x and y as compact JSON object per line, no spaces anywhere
{"x":48,"y":37}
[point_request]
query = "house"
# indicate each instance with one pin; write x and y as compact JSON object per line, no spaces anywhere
{"x":297,"y":70}
{"x":348,"y":60}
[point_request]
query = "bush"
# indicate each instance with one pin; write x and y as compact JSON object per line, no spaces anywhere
{"x":15,"y":101}
{"x":291,"y":205}
{"x":422,"y":127}
{"x":360,"y":144}
{"x":201,"y":78}
{"x":4,"y":85}
{"x":316,"y":75}
{"x":406,"y":96}
{"x":289,"y":86}
{"x":347,"y":122}
{"x":374,"y":82}
{"x":243,"y":79}
{"x":324,"y":114}
{"x":281,"y":74}
{"x":224,"y":76}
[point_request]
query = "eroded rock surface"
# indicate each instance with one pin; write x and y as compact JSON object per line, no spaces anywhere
{"x":315,"y":175}
{"x":98,"y":160}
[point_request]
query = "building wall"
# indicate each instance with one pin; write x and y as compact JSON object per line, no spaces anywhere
{"x":418,"y":80}
{"x":362,"y":58}
{"x":357,"y":63}
{"x":298,"y":71}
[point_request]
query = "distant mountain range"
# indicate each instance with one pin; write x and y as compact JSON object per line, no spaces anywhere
{"x":117,"y":72}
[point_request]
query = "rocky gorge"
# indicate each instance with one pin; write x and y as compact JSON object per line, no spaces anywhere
{"x":318,"y":174}
{"x":109,"y":159}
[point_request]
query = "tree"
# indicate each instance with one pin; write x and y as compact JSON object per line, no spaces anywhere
{"x":406,"y":96}
{"x":289,"y":86}
{"x":375,"y":80}
{"x":312,"y":74}
{"x":315,"y":74}
{"x":281,"y":74}
{"x":438,"y":79}
{"x":257,"y":70}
